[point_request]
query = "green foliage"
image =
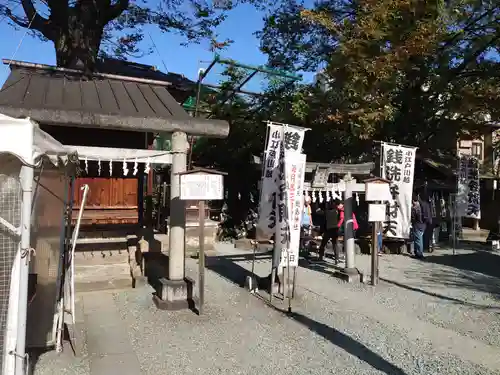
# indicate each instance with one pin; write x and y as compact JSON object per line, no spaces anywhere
{"x":116,"y":27}
{"x":417,"y":72}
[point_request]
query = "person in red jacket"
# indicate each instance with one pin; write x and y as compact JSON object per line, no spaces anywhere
{"x":355,"y":225}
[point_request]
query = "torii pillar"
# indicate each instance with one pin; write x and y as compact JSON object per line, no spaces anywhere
{"x":175,"y":292}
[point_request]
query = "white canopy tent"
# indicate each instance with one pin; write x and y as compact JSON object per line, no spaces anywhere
{"x":24,"y":149}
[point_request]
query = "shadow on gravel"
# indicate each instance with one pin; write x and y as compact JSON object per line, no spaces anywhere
{"x":328,"y":268}
{"x":465,"y":280}
{"x":346,"y":343}
{"x":155,"y":267}
{"x":436,"y":295}
{"x":226,"y":267}
{"x":484,"y":262}
{"x":478,"y":271}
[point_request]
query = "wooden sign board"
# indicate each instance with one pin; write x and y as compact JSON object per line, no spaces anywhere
{"x":376,"y":212}
{"x":202,"y":186}
{"x":377,"y":191}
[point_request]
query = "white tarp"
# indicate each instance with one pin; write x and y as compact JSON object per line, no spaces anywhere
{"x":398,"y":166}
{"x":24,"y":139}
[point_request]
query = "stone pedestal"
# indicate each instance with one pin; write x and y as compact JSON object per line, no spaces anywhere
{"x":349,"y":275}
{"x":193,"y":236}
{"x":174,"y":294}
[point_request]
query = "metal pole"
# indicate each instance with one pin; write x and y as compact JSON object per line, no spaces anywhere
{"x":197,"y":104}
{"x":288,"y":288}
{"x":164,"y":205}
{"x":273,"y":279}
{"x":253,"y":261}
{"x":201,"y":254}
{"x":294,"y":281}
{"x":349,"y":244}
{"x":262,"y":69}
{"x":374,"y":276}
{"x":26,"y":176}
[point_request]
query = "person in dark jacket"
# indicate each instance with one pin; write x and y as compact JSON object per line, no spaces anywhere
{"x":420,"y":218}
{"x":331,"y":232}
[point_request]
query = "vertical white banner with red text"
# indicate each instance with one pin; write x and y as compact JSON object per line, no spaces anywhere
{"x":295,"y":168}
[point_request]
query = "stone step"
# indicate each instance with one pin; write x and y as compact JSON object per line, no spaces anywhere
{"x":102,"y":276}
{"x":95,"y":286}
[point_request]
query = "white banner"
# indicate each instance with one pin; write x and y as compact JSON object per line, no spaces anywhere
{"x":295,"y":167}
{"x":291,"y":138}
{"x":398,"y":166}
{"x":282,"y":229}
{"x":468,"y":197}
{"x":267,"y":218}
{"x":462,"y":199}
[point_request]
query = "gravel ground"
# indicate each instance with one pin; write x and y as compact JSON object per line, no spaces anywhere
{"x":335,"y":328}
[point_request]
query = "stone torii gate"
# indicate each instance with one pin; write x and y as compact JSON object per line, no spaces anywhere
{"x":349,"y":186}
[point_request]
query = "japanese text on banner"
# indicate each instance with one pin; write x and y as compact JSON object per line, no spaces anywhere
{"x":468,"y":193}
{"x":282,"y":233}
{"x":398,"y":166}
{"x":279,"y":136}
{"x":268,"y":199}
{"x":295,"y":165}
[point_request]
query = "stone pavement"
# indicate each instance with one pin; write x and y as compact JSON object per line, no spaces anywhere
{"x":441,"y":316}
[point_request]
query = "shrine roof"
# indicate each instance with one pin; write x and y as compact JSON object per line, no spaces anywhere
{"x":66,"y":97}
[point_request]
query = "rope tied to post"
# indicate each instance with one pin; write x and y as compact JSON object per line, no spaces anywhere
{"x":26,"y":254}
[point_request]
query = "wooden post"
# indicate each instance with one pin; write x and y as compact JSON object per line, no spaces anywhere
{"x":201,"y":254}
{"x":374,"y":277}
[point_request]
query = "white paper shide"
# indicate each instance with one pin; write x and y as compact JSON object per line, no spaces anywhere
{"x":398,"y":165}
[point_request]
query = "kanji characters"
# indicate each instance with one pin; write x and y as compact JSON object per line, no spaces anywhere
{"x":291,"y":141}
{"x":393,"y":173}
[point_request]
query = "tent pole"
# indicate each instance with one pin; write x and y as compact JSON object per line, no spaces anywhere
{"x":26,"y":175}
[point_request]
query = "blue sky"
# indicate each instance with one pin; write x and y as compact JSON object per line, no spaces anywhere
{"x":239,"y":26}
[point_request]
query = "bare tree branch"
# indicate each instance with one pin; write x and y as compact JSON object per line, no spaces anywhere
{"x":35,"y":20}
{"x":116,"y":10}
{"x":15,"y":19}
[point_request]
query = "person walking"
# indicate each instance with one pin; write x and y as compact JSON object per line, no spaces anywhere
{"x":427,"y":217}
{"x":331,"y":227}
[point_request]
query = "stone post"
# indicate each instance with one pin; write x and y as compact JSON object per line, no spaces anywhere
{"x":176,"y":291}
{"x":349,"y":243}
{"x":177,"y":208}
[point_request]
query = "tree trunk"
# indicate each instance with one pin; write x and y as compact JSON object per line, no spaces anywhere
{"x":78,"y":39}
